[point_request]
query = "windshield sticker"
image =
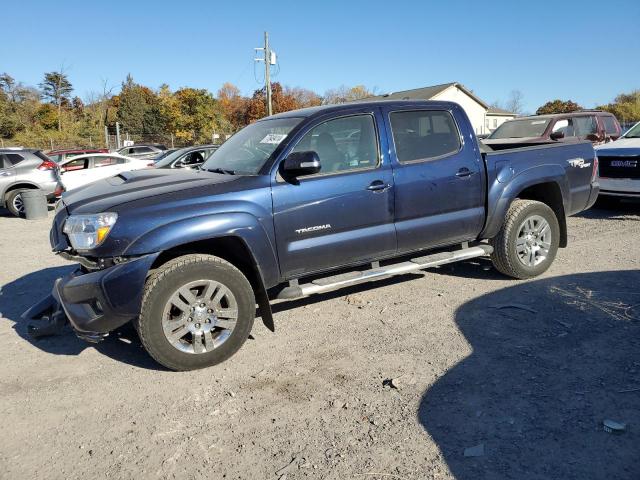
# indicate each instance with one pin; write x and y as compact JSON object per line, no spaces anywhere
{"x":274,"y":138}
{"x":538,"y":122}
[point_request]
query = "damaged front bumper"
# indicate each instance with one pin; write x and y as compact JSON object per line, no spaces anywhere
{"x":93,"y":302}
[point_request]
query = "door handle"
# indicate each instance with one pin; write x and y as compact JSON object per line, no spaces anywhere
{"x":463,"y":172}
{"x":378,"y":186}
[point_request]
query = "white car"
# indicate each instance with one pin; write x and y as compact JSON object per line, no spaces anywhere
{"x":619,"y":165}
{"x":83,"y":169}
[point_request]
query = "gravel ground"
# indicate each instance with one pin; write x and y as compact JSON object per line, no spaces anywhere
{"x":394,"y":380}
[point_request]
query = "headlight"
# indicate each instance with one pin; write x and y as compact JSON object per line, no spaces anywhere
{"x":88,"y":231}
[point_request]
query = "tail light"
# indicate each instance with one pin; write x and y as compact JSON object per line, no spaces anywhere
{"x":594,"y":173}
{"x":58,"y":191}
{"x":48,"y":165}
{"x":150,"y":164}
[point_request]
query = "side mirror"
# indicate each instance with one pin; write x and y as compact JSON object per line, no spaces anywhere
{"x":557,"y":135}
{"x":594,"y":137}
{"x":299,"y":164}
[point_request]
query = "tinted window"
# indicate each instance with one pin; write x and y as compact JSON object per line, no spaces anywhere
{"x":103,"y":161}
{"x":196,"y":157}
{"x":142,"y":150}
{"x":610,"y":125}
{"x":585,"y":126}
{"x":565,"y":126}
{"x":531,"y":127}
{"x":424,"y":134}
{"x":343,"y":144}
{"x":79,"y":164}
{"x":13,"y":158}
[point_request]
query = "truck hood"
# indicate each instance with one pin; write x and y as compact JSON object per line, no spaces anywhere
{"x":127,"y":187}
{"x":622,"y":146}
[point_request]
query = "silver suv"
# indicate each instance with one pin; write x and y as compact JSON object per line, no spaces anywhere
{"x":23,"y":169}
{"x":142,"y":151}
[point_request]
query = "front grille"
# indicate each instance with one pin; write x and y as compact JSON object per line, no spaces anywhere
{"x":619,"y":167}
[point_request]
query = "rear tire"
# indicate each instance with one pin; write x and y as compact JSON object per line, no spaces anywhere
{"x":528,"y":241}
{"x":14,"y":203}
{"x":197,"y":311}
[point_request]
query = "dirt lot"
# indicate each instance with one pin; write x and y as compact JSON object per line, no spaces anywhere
{"x":528,"y":385}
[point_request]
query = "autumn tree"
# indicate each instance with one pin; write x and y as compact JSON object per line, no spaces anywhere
{"x":57,"y":88}
{"x":199,"y":115}
{"x":303,"y":97}
{"x":139,"y":109}
{"x":558,"y":106}
{"x":234,"y":106}
{"x":626,"y":107}
{"x":345,"y":94}
{"x":280,"y":101}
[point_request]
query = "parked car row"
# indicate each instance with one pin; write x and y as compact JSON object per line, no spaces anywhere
{"x":618,"y":153}
{"x":60,"y":170}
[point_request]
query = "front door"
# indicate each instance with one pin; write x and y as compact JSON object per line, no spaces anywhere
{"x":344,"y":214}
{"x":439,"y":198}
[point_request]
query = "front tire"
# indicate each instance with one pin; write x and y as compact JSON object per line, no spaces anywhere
{"x":197,"y":311}
{"x":528,"y":241}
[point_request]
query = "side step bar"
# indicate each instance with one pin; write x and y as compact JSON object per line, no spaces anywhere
{"x":321,"y":285}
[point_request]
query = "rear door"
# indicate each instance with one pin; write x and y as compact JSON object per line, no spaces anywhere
{"x":344,"y":214}
{"x":7,"y":173}
{"x":104,"y":167}
{"x":439,"y":178}
{"x":75,"y":173}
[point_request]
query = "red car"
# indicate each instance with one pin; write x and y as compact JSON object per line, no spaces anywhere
{"x":593,"y":125}
{"x":61,"y":155}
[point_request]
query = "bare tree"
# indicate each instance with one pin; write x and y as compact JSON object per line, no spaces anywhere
{"x":515,"y":103}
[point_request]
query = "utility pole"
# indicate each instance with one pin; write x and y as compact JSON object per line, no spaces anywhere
{"x":269,"y":58}
{"x":118,"y":144}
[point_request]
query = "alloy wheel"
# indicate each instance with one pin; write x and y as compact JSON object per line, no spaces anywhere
{"x":200,"y":316}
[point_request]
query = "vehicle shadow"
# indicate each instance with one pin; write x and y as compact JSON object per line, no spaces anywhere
{"x":552,"y":359}
{"x":612,"y":209}
{"x":17,"y":296}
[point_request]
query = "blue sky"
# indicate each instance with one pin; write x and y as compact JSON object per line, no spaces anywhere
{"x":583,"y":50}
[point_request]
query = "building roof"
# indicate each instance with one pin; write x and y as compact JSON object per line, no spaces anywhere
{"x":499,"y":111}
{"x":426,"y":93}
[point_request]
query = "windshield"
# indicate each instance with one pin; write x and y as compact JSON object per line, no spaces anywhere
{"x":634,"y":132}
{"x":248,"y":150}
{"x":531,"y":127}
{"x":168,"y":156}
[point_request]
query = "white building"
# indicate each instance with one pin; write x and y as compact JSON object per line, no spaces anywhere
{"x":496,"y":117}
{"x":481,"y":115}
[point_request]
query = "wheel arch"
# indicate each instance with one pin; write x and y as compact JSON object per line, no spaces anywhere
{"x":550,"y":194}
{"x":19,"y":185}
{"x":234,"y":250}
{"x":546,"y":183}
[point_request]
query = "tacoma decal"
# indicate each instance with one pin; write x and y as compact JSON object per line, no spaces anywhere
{"x":315,"y":228}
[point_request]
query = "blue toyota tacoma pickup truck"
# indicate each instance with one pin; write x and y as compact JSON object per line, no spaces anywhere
{"x":300,"y":203}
